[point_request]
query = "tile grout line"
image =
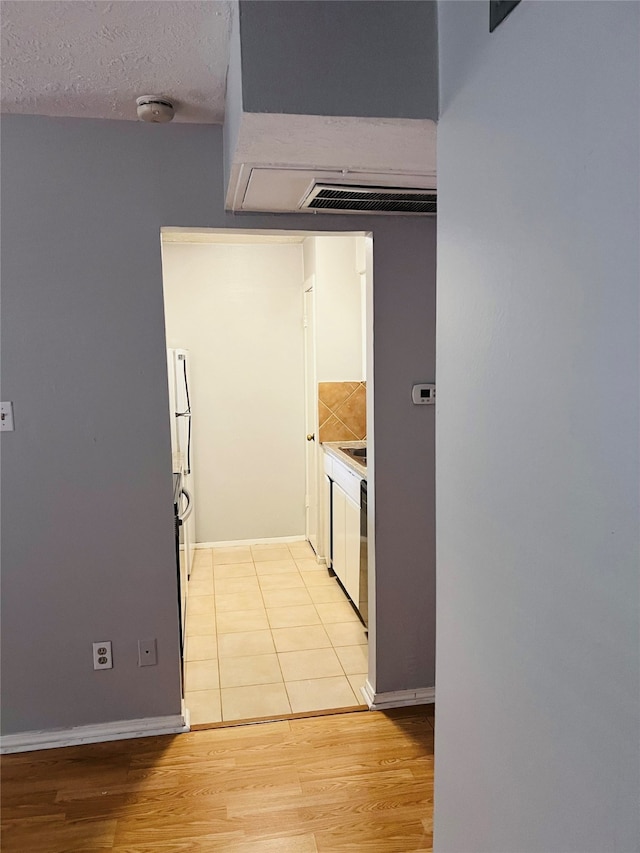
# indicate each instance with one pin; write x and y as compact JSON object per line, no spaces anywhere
{"x":215,"y":610}
{"x":332,"y":645}
{"x":215,"y":634}
{"x":286,"y":689}
{"x":273,"y":638}
{"x":304,"y":586}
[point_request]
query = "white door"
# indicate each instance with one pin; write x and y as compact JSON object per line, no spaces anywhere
{"x":311,"y":416}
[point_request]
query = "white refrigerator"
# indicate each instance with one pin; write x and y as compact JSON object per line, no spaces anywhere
{"x":178,"y":370}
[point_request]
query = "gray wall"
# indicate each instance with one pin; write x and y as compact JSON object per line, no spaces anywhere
{"x":86,"y":496}
{"x":538,"y":653}
{"x":404,"y":435}
{"x":86,"y":510}
{"x":346,"y":58}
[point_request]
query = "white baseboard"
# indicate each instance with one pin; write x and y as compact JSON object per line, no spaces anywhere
{"x":397,"y":698}
{"x":96,"y":733}
{"x":232,"y":543}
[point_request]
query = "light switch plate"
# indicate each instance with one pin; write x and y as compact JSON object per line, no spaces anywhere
{"x":6,"y":417}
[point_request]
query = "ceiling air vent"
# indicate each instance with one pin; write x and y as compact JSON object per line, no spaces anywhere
{"x":354,"y":199}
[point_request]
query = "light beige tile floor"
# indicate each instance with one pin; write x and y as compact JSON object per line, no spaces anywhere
{"x":269,"y":632}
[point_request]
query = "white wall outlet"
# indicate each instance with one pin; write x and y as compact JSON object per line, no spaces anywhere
{"x":102,"y":657}
{"x":147,"y":653}
{"x":6,"y":417}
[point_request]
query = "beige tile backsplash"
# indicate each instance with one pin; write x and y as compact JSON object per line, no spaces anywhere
{"x":342,"y":411}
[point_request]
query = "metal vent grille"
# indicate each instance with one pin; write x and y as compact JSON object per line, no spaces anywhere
{"x":370,"y":199}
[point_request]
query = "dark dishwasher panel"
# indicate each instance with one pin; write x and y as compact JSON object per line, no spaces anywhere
{"x":363,"y":603}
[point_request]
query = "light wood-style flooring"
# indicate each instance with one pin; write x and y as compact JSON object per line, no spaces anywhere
{"x":355,"y":782}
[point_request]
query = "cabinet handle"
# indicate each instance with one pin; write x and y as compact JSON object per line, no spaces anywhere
{"x":311,"y":436}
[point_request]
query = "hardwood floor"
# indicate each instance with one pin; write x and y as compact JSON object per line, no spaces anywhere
{"x":351,"y":782}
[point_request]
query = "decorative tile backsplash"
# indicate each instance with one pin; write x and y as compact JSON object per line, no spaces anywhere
{"x":342,"y":411}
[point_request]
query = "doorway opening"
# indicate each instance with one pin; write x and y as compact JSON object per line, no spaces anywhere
{"x":267,"y":339}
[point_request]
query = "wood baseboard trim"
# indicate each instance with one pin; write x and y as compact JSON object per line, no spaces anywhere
{"x":232,"y":543}
{"x":95,"y":733}
{"x":397,"y":698}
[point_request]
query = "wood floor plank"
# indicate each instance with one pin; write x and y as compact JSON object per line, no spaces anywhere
{"x":292,"y":844}
{"x":213,"y":844}
{"x":354,"y":782}
{"x":60,"y":837}
{"x":30,"y":819}
{"x":162,"y":828}
{"x":377,"y":838}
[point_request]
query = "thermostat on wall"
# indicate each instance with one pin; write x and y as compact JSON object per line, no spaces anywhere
{"x":423,"y":395}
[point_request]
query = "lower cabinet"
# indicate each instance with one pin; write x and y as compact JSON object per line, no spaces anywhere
{"x":346,"y":541}
{"x":325,"y":516}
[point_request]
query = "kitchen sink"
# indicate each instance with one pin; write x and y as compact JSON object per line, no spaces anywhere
{"x":357,"y":453}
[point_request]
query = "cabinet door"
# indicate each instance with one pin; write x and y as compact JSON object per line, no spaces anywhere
{"x":352,"y":550}
{"x":325,"y":517}
{"x":339,"y":553}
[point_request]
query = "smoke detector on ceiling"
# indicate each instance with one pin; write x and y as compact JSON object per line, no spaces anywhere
{"x":154,"y":108}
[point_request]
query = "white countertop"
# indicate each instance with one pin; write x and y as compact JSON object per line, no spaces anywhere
{"x":333,"y":448}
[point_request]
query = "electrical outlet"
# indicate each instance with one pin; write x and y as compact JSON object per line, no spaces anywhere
{"x":102,"y":657}
{"x":147,"y":653}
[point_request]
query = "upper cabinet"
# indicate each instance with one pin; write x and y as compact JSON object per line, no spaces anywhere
{"x":339,"y":316}
{"x":325,"y":94}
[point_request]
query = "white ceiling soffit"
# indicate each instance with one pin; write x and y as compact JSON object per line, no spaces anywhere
{"x":279,"y":157}
{"x":354,"y":143}
{"x":92,"y":59}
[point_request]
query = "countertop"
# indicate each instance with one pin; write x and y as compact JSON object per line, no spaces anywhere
{"x":333,"y":448}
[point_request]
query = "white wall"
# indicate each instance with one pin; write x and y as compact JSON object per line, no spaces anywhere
{"x":238,"y":309}
{"x":338,"y":301}
{"x":538,"y":652}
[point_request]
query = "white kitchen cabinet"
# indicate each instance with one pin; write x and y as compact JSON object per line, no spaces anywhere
{"x":346,"y":542}
{"x":339,"y":534}
{"x":342,"y":502}
{"x":325,"y":517}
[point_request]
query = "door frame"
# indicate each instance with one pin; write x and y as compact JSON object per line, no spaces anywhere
{"x":311,"y":495}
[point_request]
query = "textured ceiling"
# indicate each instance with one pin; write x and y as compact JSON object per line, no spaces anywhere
{"x":92,"y":59}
